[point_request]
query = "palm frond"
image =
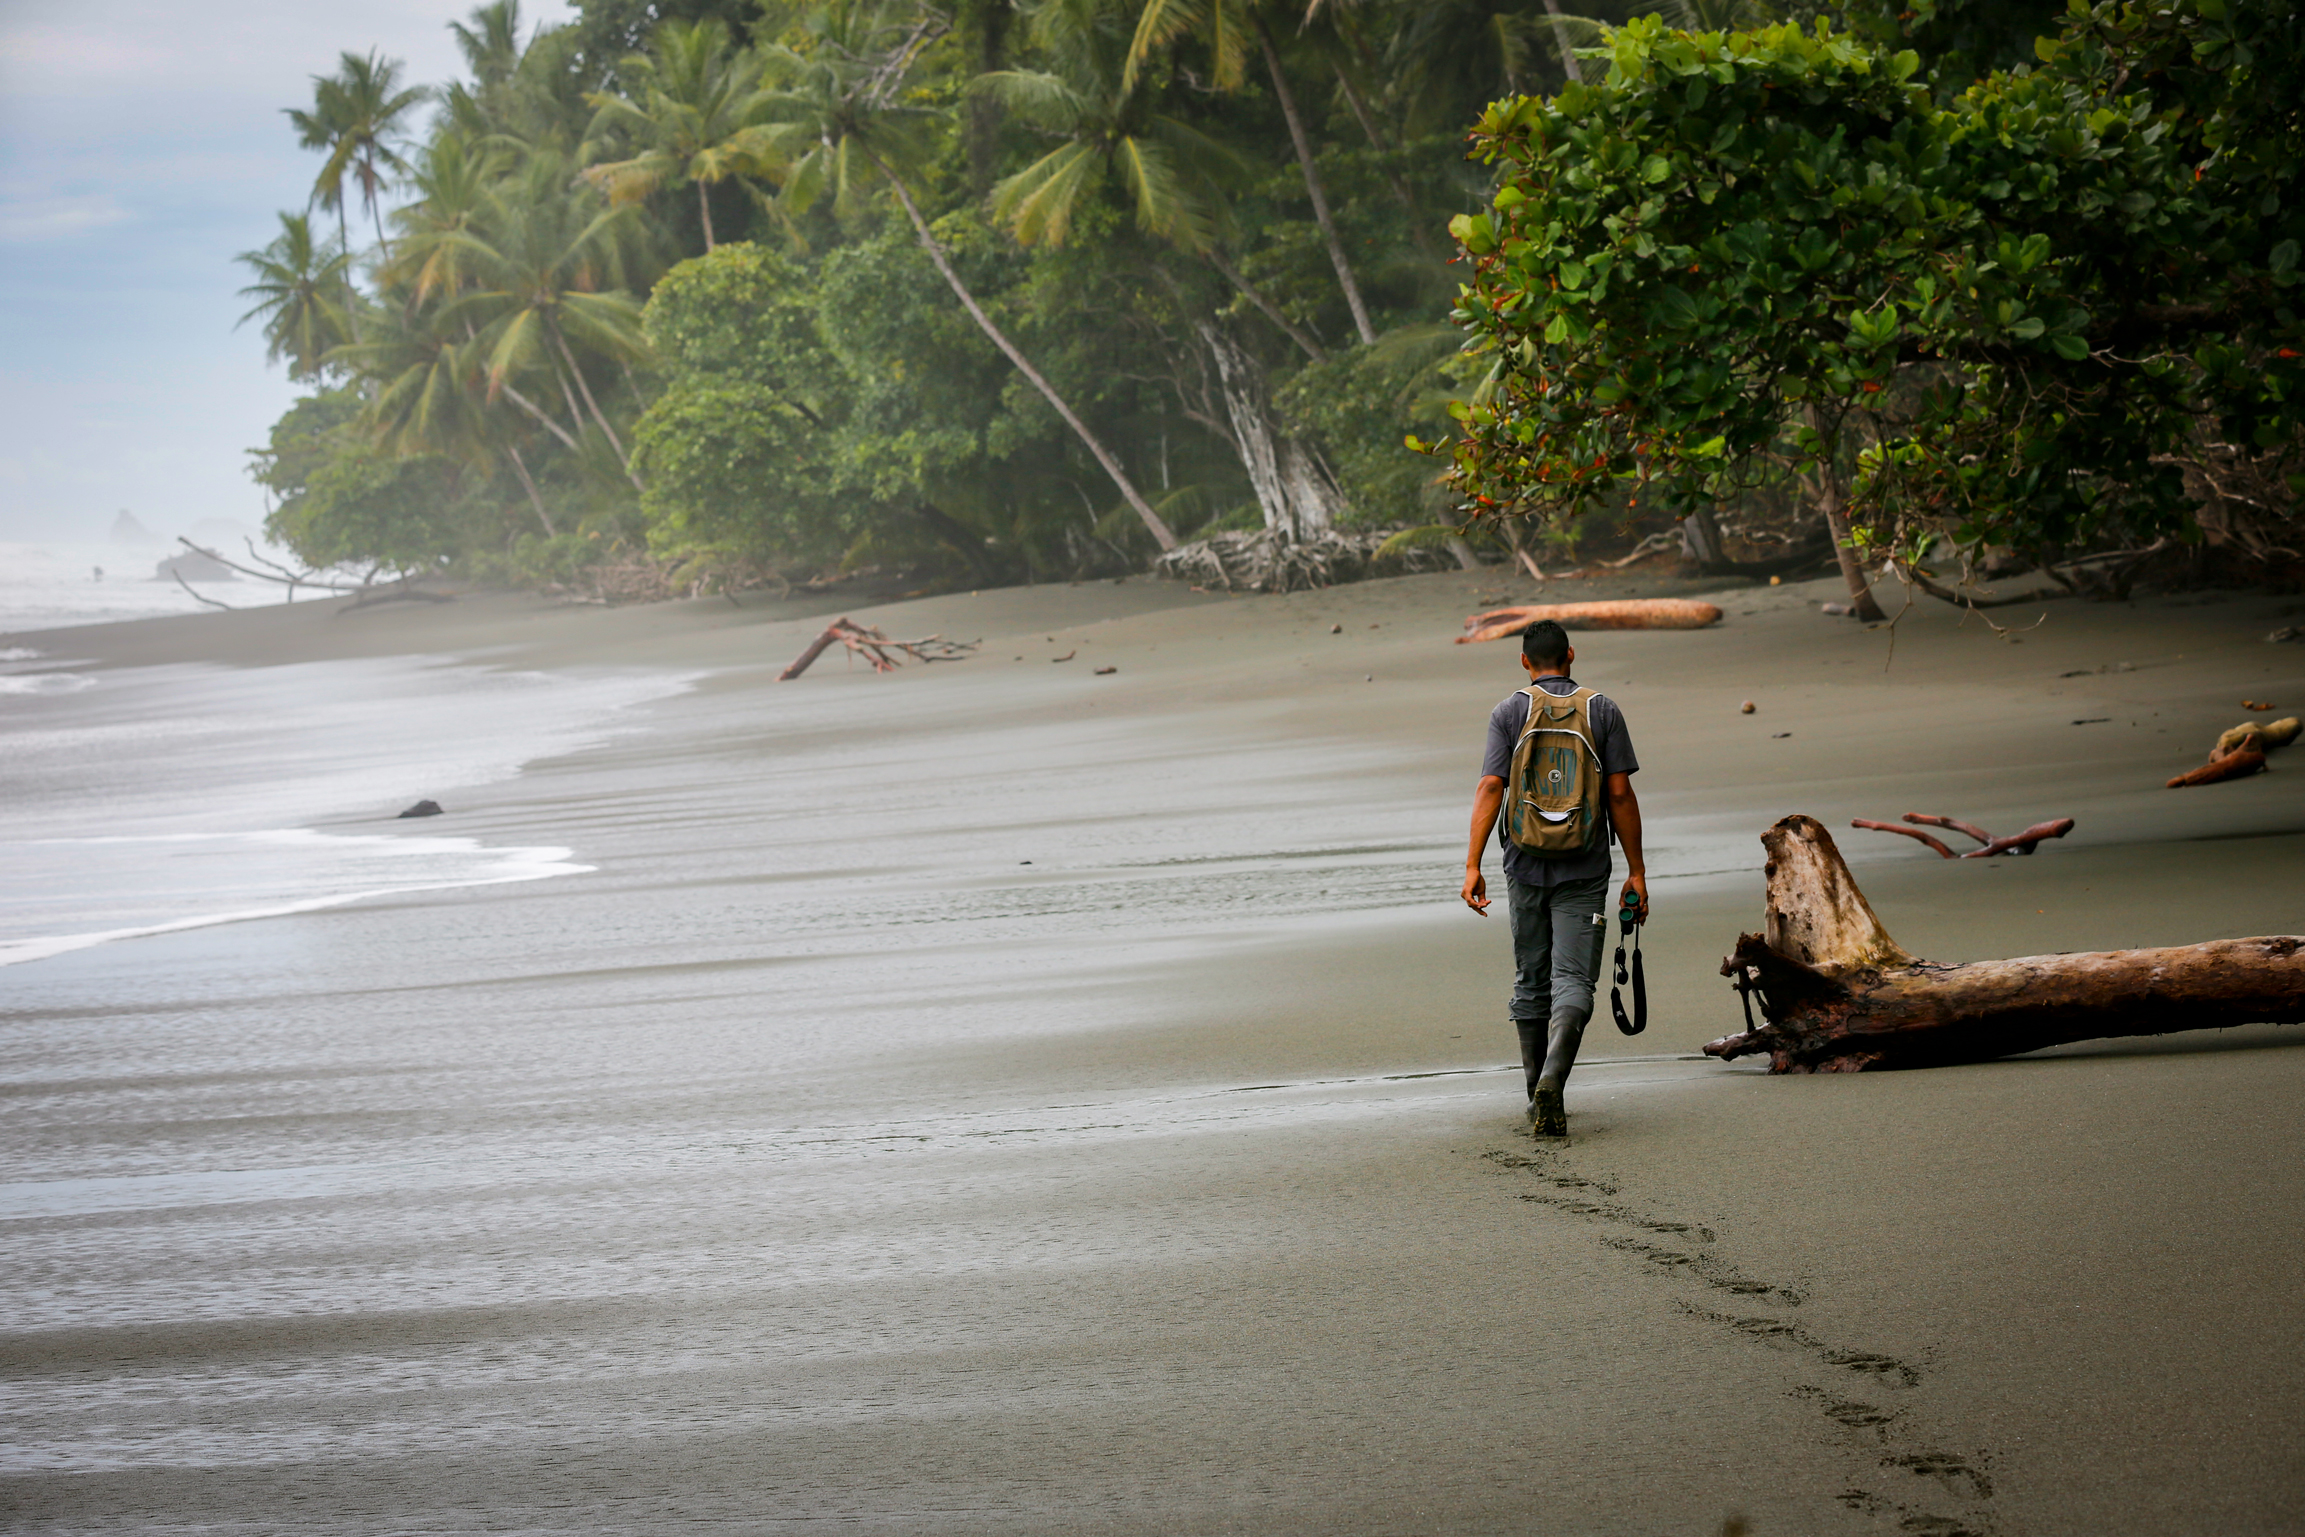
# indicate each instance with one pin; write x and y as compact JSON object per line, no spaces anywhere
{"x":1162,"y":22}
{"x":1043,"y":100}
{"x":1038,"y":202}
{"x":1165,"y":206}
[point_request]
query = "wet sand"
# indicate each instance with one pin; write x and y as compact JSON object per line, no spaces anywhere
{"x":818,"y":1164}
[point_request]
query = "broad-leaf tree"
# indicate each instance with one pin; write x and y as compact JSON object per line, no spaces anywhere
{"x":2024,"y":317}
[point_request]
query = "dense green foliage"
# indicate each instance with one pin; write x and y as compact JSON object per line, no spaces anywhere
{"x":743,"y":443}
{"x":1036,"y":287}
{"x":1002,"y":292}
{"x":2056,"y":308}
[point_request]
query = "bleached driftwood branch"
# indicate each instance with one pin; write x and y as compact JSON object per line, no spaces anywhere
{"x":365,"y":593}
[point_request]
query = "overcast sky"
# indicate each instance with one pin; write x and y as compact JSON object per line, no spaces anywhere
{"x":141,"y":146}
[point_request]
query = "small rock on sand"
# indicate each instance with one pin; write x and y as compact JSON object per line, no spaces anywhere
{"x":1746,"y":708}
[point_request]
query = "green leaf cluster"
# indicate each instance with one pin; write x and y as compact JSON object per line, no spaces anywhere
{"x":2011,"y":315}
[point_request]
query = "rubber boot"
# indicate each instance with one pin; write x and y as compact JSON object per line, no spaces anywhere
{"x":1532,"y":1034}
{"x":1547,"y":1107}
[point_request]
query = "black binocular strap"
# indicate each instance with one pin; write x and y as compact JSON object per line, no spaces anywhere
{"x":1640,"y":1019}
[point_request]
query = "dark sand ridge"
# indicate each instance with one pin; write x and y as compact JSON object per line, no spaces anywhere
{"x":1085,"y":1269}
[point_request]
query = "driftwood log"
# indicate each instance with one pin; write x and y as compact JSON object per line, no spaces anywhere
{"x":875,"y":647}
{"x":2016,"y":843}
{"x":1838,"y":995}
{"x":1615,"y":614}
{"x":2237,"y":764}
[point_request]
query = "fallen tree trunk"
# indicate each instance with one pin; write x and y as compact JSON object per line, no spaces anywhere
{"x":1838,"y":995}
{"x":1617,"y":614}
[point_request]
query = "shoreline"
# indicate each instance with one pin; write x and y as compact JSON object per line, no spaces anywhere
{"x":820,"y":1159}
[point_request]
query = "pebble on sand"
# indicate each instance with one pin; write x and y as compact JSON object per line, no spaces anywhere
{"x":1746,"y":708}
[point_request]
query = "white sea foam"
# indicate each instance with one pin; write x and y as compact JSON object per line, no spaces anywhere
{"x":44,"y":682}
{"x":50,"y":584}
{"x":19,"y":654}
{"x":170,"y":798}
{"x":86,"y":891}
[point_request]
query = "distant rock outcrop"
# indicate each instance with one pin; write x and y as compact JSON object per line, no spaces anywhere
{"x":192,"y":566}
{"x":420,"y":809}
{"x":126,"y":530}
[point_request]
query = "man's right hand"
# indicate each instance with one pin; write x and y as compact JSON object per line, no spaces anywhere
{"x":1476,"y":892}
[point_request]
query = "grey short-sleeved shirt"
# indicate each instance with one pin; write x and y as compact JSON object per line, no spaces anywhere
{"x":1610,"y":739}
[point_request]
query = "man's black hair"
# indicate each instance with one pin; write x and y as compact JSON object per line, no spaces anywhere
{"x":1545,"y":643}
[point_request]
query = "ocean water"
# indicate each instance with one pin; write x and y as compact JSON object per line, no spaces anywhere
{"x":149,"y":800}
{"x":49,"y":584}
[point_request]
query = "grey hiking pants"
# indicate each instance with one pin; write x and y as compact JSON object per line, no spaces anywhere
{"x":1558,"y":934}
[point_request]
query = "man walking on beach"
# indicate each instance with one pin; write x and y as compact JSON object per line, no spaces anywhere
{"x":1562,"y":768}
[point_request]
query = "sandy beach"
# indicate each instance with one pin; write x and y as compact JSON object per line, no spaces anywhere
{"x":1001,"y":1097}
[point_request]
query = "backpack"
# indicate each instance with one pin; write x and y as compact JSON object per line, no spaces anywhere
{"x":1553,"y":796}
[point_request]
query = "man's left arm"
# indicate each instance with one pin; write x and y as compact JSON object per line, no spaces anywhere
{"x":1625,"y":817}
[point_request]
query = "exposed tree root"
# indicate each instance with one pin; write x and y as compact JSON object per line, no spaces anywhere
{"x":1265,"y":560}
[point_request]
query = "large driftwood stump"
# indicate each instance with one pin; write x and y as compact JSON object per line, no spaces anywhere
{"x":1838,"y":995}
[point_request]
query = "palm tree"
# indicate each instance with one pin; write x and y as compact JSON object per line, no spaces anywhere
{"x":835,"y":118}
{"x":491,"y":44}
{"x":1228,"y":28}
{"x":355,"y":122}
{"x":1169,"y":171}
{"x":547,"y":273}
{"x":429,"y":397}
{"x":693,"y":105}
{"x":302,"y":294}
{"x":452,"y":182}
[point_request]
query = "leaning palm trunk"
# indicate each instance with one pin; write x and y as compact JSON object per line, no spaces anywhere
{"x":1420,"y":228}
{"x":528,"y":483}
{"x":1153,"y":522}
{"x":584,"y":387}
{"x":1299,"y":498}
{"x":542,"y":416}
{"x":1319,"y":194}
{"x":1561,"y":36}
{"x":1272,"y":312}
